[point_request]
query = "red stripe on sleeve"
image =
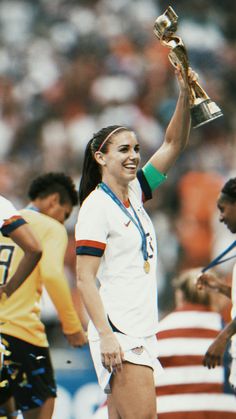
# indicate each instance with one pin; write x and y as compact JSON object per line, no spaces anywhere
{"x":11,"y":220}
{"x":91,"y":243}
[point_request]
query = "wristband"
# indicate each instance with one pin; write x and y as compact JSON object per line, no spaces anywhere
{"x":153,"y":176}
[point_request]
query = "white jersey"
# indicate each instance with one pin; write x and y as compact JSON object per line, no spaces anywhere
{"x":129,"y":294}
{"x":10,"y":218}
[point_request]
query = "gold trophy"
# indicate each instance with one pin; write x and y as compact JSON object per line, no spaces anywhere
{"x":203,"y":109}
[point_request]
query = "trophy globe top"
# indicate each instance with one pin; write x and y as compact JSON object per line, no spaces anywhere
{"x":166,"y":24}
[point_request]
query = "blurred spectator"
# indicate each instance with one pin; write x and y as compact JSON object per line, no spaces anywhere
{"x":186,"y":389}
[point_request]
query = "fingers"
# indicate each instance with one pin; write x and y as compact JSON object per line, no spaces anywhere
{"x":211,"y":360}
{"x":112,"y":362}
{"x":200,"y":282}
{"x":192,"y":75}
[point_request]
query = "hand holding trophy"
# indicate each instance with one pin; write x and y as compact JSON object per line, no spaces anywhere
{"x":203,"y":109}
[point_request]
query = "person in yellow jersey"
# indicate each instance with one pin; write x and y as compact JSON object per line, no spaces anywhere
{"x":27,"y":378}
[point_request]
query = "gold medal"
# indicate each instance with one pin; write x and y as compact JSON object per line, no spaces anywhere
{"x":146,"y":266}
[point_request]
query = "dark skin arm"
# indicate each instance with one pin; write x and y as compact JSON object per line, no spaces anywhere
{"x":25,"y":239}
{"x":215,"y":352}
{"x":211,"y":282}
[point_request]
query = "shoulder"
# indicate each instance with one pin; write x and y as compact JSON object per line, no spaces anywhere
{"x":43,"y":224}
{"x":97,"y":195}
{"x":96,"y":202}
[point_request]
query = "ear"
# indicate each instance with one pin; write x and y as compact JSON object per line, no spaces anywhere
{"x":53,"y":199}
{"x":100,"y":158}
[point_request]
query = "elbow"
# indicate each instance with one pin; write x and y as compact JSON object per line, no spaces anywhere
{"x":36,"y":253}
{"x":81,"y":285}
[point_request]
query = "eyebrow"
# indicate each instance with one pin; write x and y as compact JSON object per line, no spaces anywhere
{"x":128,"y":145}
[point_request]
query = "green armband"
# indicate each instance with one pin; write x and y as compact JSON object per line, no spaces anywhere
{"x":153,"y":176}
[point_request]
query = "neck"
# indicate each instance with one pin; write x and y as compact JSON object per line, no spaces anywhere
{"x":119,"y":189}
{"x":33,"y":206}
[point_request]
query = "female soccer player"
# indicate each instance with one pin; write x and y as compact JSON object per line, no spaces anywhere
{"x":116,"y":245}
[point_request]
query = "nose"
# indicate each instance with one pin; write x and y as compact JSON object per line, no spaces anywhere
{"x":133,"y":154}
{"x":221,"y":218}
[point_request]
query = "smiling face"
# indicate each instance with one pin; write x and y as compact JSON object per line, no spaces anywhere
{"x":227,"y":210}
{"x":120,"y":162}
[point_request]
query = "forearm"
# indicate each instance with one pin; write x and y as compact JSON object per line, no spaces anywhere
{"x":177,"y":132}
{"x":60,"y":294}
{"x":176,"y":137}
{"x":225,"y":289}
{"x":94,"y":305}
{"x":229,"y":330}
{"x":24,"y":269}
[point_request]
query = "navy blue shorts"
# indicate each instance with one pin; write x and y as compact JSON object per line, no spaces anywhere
{"x":27,"y":374}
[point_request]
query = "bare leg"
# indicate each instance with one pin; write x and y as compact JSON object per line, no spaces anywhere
{"x":112,"y":411}
{"x":43,"y":412}
{"x":133,"y":392}
{"x":10,"y":408}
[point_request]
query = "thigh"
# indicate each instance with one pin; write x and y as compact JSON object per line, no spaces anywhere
{"x":8,"y":409}
{"x":133,"y":392}
{"x":43,"y":412}
{"x":29,"y":374}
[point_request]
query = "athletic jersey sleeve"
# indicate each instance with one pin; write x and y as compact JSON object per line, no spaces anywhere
{"x":54,"y":279}
{"x":92,"y":229}
{"x":10,"y":218}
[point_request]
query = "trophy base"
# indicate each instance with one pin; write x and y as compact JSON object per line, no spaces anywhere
{"x":204,"y":112}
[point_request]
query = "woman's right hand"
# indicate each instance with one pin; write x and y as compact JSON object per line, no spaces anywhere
{"x":112,"y":355}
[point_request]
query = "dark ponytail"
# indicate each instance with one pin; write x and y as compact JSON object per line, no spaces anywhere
{"x":91,"y":170}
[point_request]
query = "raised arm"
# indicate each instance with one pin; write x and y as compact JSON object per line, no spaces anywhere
{"x":178,"y":130}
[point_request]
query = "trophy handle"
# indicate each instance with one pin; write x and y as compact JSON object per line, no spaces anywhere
{"x":178,"y":57}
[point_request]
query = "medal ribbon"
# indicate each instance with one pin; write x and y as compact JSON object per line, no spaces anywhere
{"x":135,"y":220}
{"x":219,"y":259}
